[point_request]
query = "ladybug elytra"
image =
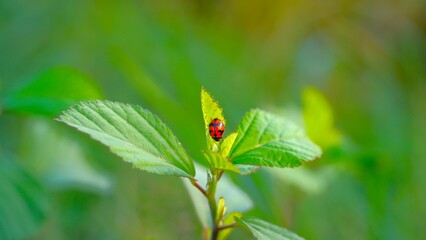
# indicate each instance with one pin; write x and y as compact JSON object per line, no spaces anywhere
{"x":216,"y":129}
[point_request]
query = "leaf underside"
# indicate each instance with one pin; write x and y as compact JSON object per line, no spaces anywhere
{"x":247,"y":169}
{"x":268,"y":140}
{"x":263,"y":230}
{"x":132,"y":133}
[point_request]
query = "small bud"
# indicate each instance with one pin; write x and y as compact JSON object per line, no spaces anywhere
{"x":221,"y":210}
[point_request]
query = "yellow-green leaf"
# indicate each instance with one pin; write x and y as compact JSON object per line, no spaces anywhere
{"x":211,"y":110}
{"x":227,"y":143}
{"x":319,"y":120}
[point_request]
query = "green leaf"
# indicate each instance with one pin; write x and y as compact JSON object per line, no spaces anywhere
{"x":211,"y":110}
{"x":23,"y":202}
{"x":227,"y":143}
{"x":134,"y":134}
{"x":266,"y":231}
{"x":319,"y":120}
{"x":268,"y":140}
{"x":217,"y":161}
{"x":52,"y":92}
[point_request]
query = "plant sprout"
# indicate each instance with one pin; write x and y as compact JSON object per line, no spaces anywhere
{"x":261,"y":139}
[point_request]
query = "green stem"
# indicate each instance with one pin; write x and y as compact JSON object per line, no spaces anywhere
{"x":211,"y":198}
{"x":227,"y":226}
{"x":202,"y":190}
{"x":210,"y":194}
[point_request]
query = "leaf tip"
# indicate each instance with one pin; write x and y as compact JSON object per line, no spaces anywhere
{"x":58,"y":118}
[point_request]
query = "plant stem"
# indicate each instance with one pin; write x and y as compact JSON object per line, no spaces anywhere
{"x":202,"y":190}
{"x":210,"y":194}
{"x":206,"y":234}
{"x":211,"y":198}
{"x":227,"y":226}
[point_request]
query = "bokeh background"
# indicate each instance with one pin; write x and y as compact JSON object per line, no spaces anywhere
{"x":353,"y":72}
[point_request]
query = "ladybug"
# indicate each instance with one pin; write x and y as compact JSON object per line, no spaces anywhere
{"x":216,"y":129}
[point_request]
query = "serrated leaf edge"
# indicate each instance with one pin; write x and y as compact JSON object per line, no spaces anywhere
{"x":60,"y":118}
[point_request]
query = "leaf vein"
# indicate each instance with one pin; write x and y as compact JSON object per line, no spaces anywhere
{"x":153,"y":147}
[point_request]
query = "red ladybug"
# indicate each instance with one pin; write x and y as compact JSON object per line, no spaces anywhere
{"x":216,"y":129}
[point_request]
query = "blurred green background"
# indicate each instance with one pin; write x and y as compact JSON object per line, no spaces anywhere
{"x":363,"y":61}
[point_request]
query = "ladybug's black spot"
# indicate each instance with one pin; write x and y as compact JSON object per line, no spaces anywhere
{"x":217,"y":138}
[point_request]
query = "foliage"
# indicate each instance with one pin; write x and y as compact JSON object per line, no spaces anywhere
{"x":139,"y":137}
{"x":134,"y":134}
{"x":365,"y":59}
{"x":267,"y":140}
{"x":51,"y":92}
{"x":23,"y":202}
{"x":319,"y":119}
{"x":211,"y":110}
{"x":265,"y":231}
